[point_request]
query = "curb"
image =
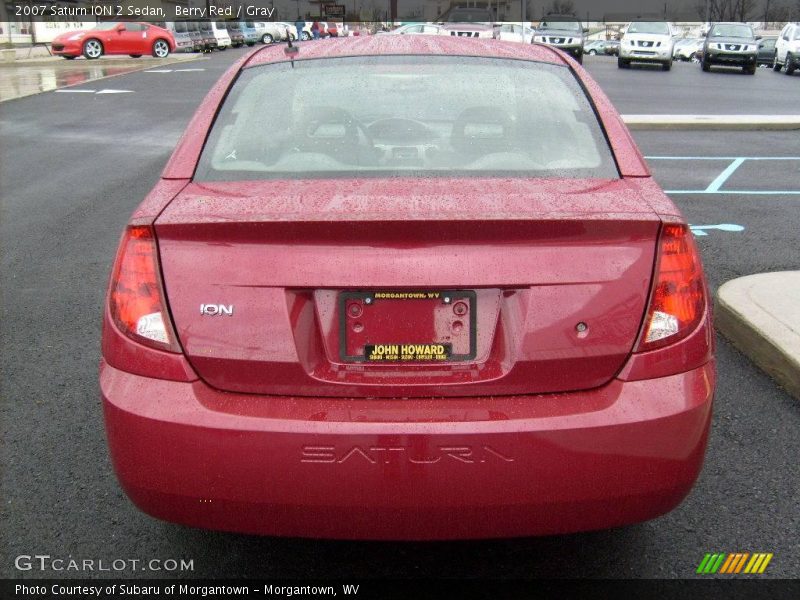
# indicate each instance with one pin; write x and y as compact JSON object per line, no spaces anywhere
{"x":713,"y":122}
{"x":760,"y":315}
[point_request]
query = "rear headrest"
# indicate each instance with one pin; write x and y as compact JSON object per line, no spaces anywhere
{"x":481,"y":130}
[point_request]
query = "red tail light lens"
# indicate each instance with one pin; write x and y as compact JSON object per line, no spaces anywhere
{"x":136,"y":294}
{"x":678,"y":301}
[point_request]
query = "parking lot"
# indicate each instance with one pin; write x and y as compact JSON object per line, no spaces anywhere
{"x":75,"y":164}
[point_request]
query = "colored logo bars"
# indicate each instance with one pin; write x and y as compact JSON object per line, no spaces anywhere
{"x":739,"y":562}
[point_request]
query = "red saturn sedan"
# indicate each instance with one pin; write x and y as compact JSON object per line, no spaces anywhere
{"x":445,"y":299}
{"x":134,"y":39}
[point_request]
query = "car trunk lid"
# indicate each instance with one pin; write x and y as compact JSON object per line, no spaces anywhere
{"x":496,"y":286}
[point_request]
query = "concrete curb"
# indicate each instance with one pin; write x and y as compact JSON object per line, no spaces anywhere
{"x":713,"y":122}
{"x":760,"y":315}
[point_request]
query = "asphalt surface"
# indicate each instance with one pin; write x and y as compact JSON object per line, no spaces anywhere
{"x":27,"y":77}
{"x":73,"y":167}
{"x":686,"y":90}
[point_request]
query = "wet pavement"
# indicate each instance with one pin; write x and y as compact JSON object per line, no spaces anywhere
{"x":24,"y":78}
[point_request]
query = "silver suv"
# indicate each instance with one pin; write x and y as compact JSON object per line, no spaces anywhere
{"x":647,"y":41}
{"x":787,"y":49}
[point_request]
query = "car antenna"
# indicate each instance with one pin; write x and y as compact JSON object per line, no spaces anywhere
{"x":291,"y":50}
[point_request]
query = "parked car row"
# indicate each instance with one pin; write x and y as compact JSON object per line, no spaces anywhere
{"x":725,"y":44}
{"x":193,"y":36}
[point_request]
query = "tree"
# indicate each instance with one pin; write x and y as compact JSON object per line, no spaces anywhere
{"x":561,"y":7}
{"x":728,"y":10}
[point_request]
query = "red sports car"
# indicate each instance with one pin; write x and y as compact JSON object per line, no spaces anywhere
{"x":444,"y":300}
{"x":134,"y":39}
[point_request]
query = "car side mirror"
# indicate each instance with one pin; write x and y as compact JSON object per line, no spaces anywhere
{"x":120,"y":28}
{"x":758,"y":37}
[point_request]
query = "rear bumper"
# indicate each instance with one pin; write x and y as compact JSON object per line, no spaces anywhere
{"x":407,"y":469}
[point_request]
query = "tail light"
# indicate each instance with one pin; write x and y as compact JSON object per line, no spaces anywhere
{"x":677,"y":301}
{"x":136,"y":298}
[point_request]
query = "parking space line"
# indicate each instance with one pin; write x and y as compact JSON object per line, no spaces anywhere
{"x":723,"y":177}
{"x":700,"y":230}
{"x":70,"y":91}
{"x":737,"y":161}
{"x":738,"y":192}
{"x":722,"y":157}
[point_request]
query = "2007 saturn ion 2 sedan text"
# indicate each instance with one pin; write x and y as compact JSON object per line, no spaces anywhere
{"x":445,"y":299}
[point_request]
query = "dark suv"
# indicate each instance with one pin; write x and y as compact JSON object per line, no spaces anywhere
{"x":731,"y":45}
{"x":564,"y":32}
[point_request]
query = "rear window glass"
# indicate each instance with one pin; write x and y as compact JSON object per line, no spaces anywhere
{"x":406,"y":115}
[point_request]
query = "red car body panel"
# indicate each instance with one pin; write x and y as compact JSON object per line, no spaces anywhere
{"x":408,"y":469}
{"x":592,"y":244}
{"x":114,"y":42}
{"x":557,"y":422}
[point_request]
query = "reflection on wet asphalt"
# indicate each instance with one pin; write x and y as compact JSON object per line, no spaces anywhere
{"x":35,"y":79}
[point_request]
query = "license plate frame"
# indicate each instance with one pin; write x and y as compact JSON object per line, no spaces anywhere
{"x":371,"y":299}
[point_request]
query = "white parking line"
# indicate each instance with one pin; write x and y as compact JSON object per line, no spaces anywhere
{"x":174,"y":70}
{"x":722,"y":157}
{"x":737,"y":161}
{"x":700,"y":230}
{"x":739,"y":192}
{"x":96,"y":92}
{"x":723,"y":177}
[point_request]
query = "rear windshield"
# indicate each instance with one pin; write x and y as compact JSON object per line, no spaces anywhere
{"x":731,"y":30}
{"x":406,"y":115}
{"x":651,"y":28}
